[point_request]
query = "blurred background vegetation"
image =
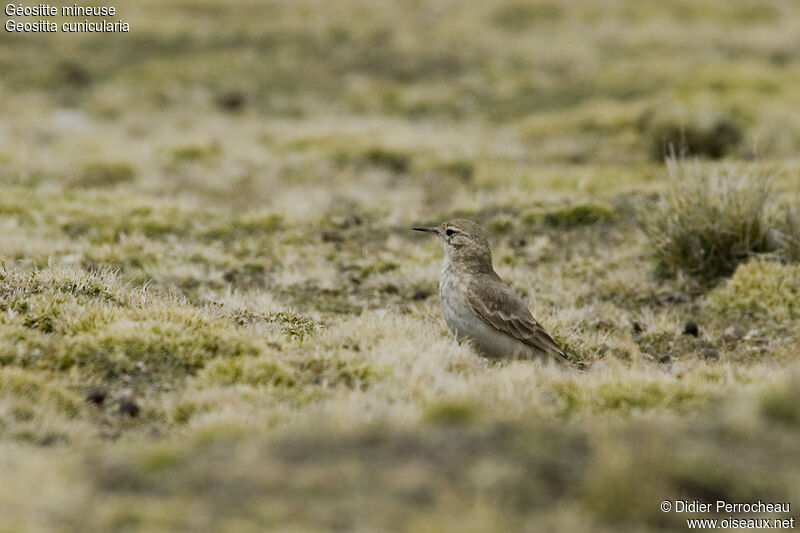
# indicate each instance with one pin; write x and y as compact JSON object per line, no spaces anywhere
{"x":213,"y":315}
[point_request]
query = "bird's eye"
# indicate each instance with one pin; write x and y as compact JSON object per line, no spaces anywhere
{"x":449,"y":232}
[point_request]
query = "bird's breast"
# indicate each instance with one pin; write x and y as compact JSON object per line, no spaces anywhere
{"x":467,"y":324}
{"x":461,"y":318}
{"x":456,"y":308}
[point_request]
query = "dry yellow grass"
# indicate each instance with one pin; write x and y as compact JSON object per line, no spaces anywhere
{"x":210,"y":218}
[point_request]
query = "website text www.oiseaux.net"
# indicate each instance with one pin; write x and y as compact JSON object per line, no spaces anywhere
{"x":721,"y":507}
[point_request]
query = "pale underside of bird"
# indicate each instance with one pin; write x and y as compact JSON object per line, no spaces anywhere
{"x":478,"y":306}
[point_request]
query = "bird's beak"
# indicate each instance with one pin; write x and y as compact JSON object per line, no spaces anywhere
{"x":427,"y":229}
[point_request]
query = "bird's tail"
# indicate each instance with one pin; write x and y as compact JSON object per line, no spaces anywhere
{"x":568,"y":359}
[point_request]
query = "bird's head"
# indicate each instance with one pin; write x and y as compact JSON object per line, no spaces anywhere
{"x":463,"y":242}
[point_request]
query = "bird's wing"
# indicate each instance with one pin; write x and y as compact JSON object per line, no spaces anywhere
{"x":506,"y":312}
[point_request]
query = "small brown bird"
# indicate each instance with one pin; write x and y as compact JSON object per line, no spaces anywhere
{"x":479,"y":306}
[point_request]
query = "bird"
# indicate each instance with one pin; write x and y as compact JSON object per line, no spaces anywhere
{"x":481,"y":308}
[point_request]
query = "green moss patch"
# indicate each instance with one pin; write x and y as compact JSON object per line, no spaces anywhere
{"x":255,"y":371}
{"x":89,"y":323}
{"x":578,"y":215}
{"x":106,"y":174}
{"x":769,"y":289}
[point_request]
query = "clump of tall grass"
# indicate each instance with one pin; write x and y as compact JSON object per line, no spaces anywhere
{"x":710,"y":220}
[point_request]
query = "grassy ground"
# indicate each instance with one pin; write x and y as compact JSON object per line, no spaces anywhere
{"x":214,"y":316}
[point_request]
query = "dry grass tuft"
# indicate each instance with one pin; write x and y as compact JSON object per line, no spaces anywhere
{"x":710,"y":220}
